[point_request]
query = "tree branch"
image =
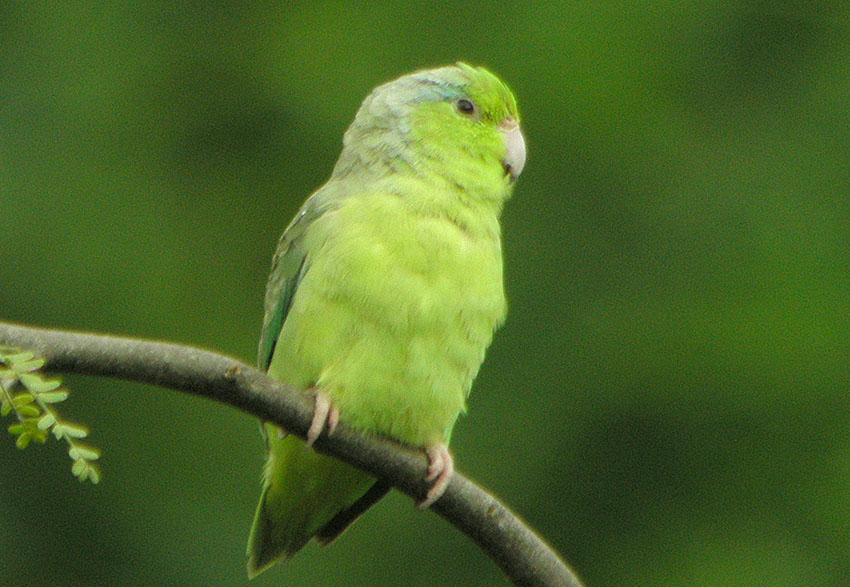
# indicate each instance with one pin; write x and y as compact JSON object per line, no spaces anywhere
{"x":520,"y":553}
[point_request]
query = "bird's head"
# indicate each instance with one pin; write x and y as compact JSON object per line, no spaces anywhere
{"x":459,"y":123}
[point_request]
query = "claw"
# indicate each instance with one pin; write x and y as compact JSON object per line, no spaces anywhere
{"x":441,"y":467}
{"x":324,"y":414}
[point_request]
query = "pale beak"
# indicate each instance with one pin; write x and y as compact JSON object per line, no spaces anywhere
{"x":514,"y":159}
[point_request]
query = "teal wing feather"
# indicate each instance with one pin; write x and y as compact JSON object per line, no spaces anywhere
{"x":290,"y":263}
{"x":338,"y":524}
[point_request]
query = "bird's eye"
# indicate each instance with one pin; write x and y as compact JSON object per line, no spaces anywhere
{"x":465,"y":106}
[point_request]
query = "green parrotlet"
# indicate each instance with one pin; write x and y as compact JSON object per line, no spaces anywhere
{"x":384,"y":294}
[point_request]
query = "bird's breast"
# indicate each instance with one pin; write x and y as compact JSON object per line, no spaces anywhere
{"x":406,"y":305}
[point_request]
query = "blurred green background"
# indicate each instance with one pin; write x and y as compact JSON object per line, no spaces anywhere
{"x":668,"y":403}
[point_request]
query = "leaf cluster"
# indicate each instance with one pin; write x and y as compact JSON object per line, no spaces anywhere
{"x":31,"y":397}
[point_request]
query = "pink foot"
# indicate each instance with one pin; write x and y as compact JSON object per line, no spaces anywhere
{"x":324,"y":413}
{"x":441,"y":467}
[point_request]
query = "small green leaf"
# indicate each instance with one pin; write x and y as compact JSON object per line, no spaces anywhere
{"x":38,"y":384}
{"x":16,"y":428}
{"x":5,"y":407}
{"x":27,"y":366}
{"x":28,"y":411}
{"x":78,"y":467}
{"x":88,"y":452}
{"x":88,"y":472}
{"x":23,"y":441}
{"x":46,"y":421}
{"x":19,"y":357}
{"x":83,"y":451}
{"x":73,"y":430}
{"x":53,"y":397}
{"x":22,"y":399}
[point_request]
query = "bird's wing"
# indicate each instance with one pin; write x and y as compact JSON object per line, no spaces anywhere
{"x":291,"y":262}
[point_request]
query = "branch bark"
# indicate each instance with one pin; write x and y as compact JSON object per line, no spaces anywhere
{"x":513,"y":546}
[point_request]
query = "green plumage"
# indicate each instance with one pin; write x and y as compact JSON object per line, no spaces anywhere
{"x":386,"y":289}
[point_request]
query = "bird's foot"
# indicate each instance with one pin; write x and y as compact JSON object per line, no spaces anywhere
{"x":441,"y":467}
{"x":325,"y":414}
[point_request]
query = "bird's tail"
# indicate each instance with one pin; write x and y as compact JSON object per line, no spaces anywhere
{"x":302,"y":492}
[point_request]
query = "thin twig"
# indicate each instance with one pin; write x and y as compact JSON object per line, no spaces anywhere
{"x":520,"y":553}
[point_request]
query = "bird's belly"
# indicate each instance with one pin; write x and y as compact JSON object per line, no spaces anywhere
{"x":396,"y":347}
